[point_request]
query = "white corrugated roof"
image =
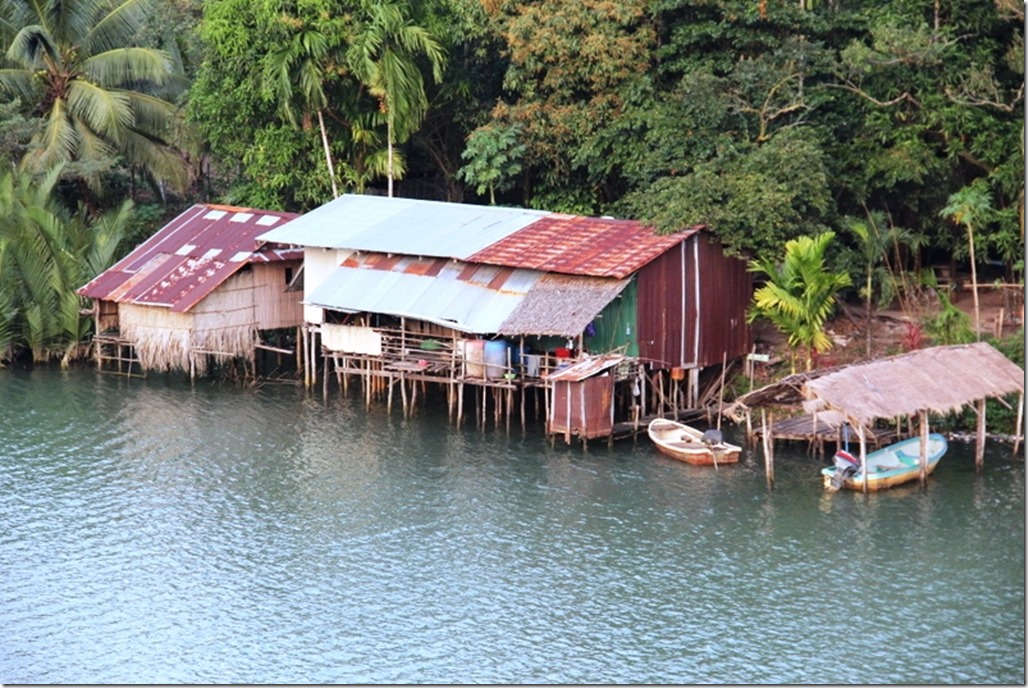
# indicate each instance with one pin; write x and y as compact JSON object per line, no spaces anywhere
{"x":479,"y":299}
{"x":465,"y":305}
{"x":403,"y":226}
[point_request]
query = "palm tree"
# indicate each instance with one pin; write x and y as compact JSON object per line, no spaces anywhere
{"x":46,"y":253}
{"x":100,"y":96}
{"x":874,"y":240}
{"x":306,"y":60}
{"x":800,"y":294}
{"x":384,"y":57}
{"x":971,"y":207}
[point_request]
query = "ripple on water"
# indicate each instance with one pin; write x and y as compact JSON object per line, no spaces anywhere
{"x":157,"y":532}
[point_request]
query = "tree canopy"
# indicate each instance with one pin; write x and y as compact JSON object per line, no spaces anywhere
{"x":764,"y":121}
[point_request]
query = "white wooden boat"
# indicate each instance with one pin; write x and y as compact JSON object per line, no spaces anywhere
{"x":893,"y":465}
{"x":685,"y":443}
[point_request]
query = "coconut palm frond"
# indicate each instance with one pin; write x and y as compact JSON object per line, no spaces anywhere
{"x":117,"y":27}
{"x":162,"y":161}
{"x":56,"y":143}
{"x":119,"y":66}
{"x":151,"y":114}
{"x":18,"y":83}
{"x":106,"y":112}
{"x":33,"y":47}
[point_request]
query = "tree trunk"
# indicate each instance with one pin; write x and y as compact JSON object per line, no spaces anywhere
{"x":389,"y":149}
{"x":974,"y":286}
{"x":328,"y":155}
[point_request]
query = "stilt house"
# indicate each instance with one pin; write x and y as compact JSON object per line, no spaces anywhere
{"x":398,"y":288}
{"x":203,"y":289}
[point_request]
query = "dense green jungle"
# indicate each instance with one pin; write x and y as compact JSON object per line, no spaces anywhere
{"x":896,"y":125}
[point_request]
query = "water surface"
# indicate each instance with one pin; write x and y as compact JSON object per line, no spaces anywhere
{"x":154,"y":532}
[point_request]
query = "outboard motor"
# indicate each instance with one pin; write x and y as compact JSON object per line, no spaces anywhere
{"x":712,"y":436}
{"x":846,"y":465}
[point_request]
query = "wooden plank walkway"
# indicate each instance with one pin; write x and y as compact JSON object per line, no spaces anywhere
{"x":802,"y":428}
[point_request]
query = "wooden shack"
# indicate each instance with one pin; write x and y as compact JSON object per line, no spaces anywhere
{"x":583,"y":398}
{"x":201,"y":290}
{"x":401,"y":291}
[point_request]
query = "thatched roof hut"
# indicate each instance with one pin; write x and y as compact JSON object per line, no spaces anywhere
{"x":939,"y":380}
{"x":202,"y":286}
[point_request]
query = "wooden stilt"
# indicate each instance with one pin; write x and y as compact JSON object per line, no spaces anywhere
{"x":766,"y":421}
{"x":1017,"y":424}
{"x":403,"y":394}
{"x":922,"y":458}
{"x":324,"y":383}
{"x":979,"y":444}
{"x":460,"y":403}
{"x":863,"y":453}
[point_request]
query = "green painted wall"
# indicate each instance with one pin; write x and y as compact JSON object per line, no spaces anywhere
{"x":616,"y":324}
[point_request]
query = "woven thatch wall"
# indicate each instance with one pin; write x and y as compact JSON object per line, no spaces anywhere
{"x":161,"y":338}
{"x":226,"y":321}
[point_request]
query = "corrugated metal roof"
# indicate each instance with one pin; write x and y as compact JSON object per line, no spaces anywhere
{"x":403,"y":225}
{"x":190,"y":257}
{"x":574,"y":245}
{"x":481,"y":299}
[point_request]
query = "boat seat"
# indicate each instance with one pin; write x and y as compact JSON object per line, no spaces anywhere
{"x":906,"y":459}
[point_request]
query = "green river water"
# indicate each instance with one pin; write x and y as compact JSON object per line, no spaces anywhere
{"x":157,"y":532}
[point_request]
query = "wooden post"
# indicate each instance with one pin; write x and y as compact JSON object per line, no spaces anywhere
{"x":460,"y":403}
{"x":979,"y":444}
{"x":766,"y":421}
{"x":922,"y":459}
{"x":863,"y":453}
{"x":1017,"y":425}
{"x":721,"y":393}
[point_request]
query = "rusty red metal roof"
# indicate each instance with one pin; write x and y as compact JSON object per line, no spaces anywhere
{"x":191,"y":256}
{"x":575,"y":245}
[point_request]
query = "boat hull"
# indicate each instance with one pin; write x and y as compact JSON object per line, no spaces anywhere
{"x":894,"y":465}
{"x":684,"y":443}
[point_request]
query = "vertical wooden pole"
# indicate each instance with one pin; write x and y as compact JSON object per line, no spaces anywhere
{"x":766,"y":421}
{"x":862,"y":438}
{"x":922,"y":458}
{"x":460,"y":403}
{"x":979,"y":444}
{"x":324,"y":382}
{"x":403,"y":394}
{"x":1020,"y":419}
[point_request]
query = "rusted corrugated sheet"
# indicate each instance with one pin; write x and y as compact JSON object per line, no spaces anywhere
{"x":191,"y":256}
{"x":573,"y":245}
{"x":587,"y":368}
{"x":692,"y":303}
{"x":584,"y":408}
